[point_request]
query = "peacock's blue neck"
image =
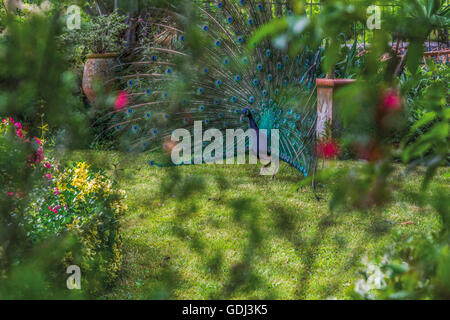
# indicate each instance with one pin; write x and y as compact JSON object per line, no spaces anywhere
{"x":252,"y":122}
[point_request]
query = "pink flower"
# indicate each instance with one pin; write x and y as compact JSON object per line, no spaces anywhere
{"x":11,"y":120}
{"x":48,"y":176}
{"x":11,"y":194}
{"x":18,"y":125}
{"x":391,"y":100}
{"x":19,"y":133}
{"x":327,"y":149}
{"x":39,"y":156}
{"x":37,"y":141}
{"x":56,"y":191}
{"x":47,"y":165}
{"x":121,"y":100}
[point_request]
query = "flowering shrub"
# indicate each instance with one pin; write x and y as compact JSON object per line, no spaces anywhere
{"x":80,"y":201}
{"x":76,"y":202}
{"x":25,"y":155}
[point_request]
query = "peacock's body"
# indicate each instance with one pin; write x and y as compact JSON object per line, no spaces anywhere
{"x":202,"y":70}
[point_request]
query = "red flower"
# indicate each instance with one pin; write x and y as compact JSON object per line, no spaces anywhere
{"x":37,"y":141}
{"x":391,"y":100}
{"x":39,"y":156}
{"x":327,"y":149}
{"x":48,"y":176}
{"x":121,"y":100}
{"x":47,"y":165}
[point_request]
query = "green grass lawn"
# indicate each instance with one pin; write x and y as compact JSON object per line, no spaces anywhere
{"x":224,"y":232}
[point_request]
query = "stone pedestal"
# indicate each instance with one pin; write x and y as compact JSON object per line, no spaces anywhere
{"x":325,"y":93}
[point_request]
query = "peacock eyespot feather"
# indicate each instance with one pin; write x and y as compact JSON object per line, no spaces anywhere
{"x":226,"y":61}
{"x":244,"y":60}
{"x":205,"y":27}
{"x":218,"y":43}
{"x":220,"y":4}
{"x":218,"y":83}
{"x":255,"y":81}
{"x":250,"y":21}
{"x":230,"y":19}
{"x":237,"y":78}
{"x":251,"y":99}
{"x":149,"y":91}
{"x":239,"y":39}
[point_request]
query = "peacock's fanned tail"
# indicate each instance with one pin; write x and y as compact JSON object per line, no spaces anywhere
{"x":201,"y":70}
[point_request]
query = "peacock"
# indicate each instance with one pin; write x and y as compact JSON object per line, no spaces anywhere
{"x":201,"y":69}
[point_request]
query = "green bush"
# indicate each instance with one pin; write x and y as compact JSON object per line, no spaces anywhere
{"x":418,"y":268}
{"x":71,"y":203}
{"x":80,"y":202}
{"x":99,"y":34}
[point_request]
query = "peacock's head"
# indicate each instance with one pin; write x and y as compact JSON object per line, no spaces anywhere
{"x":245,"y":113}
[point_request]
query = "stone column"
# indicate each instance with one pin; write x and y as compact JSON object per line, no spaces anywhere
{"x":325,"y":93}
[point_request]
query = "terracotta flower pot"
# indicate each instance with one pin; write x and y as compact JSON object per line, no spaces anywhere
{"x":98,"y":67}
{"x":325,"y":92}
